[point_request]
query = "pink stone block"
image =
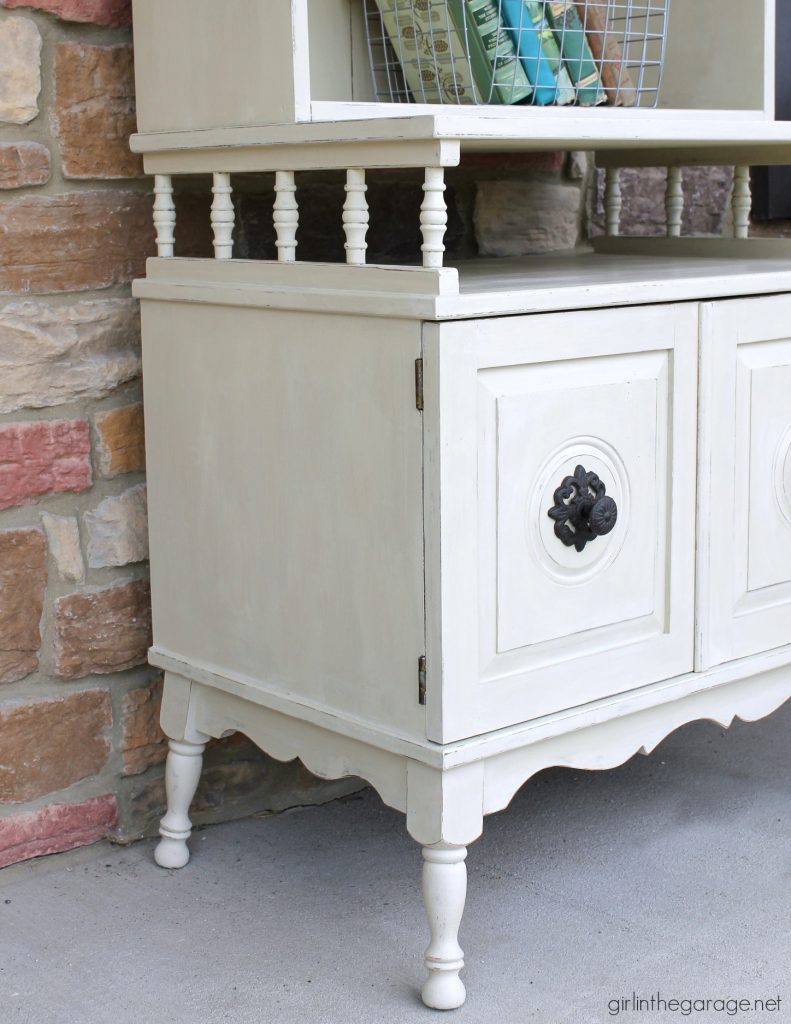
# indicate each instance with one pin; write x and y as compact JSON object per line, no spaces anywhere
{"x":43,"y":457}
{"x":97,"y":12}
{"x":55,"y":828}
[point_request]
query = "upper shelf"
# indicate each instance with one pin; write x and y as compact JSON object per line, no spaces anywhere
{"x":260,"y":73}
{"x":439,"y":136}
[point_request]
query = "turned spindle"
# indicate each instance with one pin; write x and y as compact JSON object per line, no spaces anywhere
{"x":613,"y":201}
{"x":164,"y":215}
{"x":286,"y":216}
{"x":674,"y":202}
{"x":433,"y":217}
{"x":182,"y":774}
{"x":742,"y":202}
{"x":222,"y":217}
{"x":444,"y":895}
{"x":355,"y":217}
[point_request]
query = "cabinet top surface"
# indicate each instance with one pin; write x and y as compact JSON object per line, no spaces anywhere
{"x":622,"y":272}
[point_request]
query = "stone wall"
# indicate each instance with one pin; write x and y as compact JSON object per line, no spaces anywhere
{"x":80,"y":748}
{"x":81,"y":754}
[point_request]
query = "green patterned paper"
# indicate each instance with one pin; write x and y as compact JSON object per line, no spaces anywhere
{"x":430,"y":51}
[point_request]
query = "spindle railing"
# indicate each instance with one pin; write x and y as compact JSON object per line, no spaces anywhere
{"x":433,"y":212}
{"x":741,"y":202}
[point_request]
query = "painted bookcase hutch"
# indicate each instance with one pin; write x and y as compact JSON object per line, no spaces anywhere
{"x":371,"y":544}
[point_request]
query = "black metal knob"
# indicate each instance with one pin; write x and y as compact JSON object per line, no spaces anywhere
{"x":583,"y":510}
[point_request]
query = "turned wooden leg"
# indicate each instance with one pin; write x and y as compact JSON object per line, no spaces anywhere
{"x":444,"y":893}
{"x":182,"y":773}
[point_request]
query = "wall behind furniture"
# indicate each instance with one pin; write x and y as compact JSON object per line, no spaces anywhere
{"x":80,"y":749}
{"x":81,"y":754}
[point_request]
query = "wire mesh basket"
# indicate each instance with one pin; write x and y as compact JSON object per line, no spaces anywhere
{"x":531,"y":52}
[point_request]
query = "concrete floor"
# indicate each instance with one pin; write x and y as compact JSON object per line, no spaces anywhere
{"x":671,"y":873}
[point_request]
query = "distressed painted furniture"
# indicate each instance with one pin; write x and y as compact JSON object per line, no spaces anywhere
{"x":443,"y":527}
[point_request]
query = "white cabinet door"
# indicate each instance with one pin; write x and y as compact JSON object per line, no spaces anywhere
{"x":519,"y":624}
{"x":744,"y":601}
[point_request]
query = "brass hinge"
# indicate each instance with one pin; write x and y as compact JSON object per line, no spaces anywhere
{"x":421,"y":679}
{"x":419,"y":384}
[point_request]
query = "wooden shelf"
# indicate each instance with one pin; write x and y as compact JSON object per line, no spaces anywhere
{"x":531,"y":284}
{"x":619,"y":137}
{"x":633,"y":272}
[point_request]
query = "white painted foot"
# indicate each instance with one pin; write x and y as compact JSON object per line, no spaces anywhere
{"x":444,"y":893}
{"x":182,"y":773}
{"x":172,"y":853}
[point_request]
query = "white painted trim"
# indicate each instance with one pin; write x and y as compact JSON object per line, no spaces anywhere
{"x":674,"y":202}
{"x":486,"y":287}
{"x":164,"y":215}
{"x":257,"y":692}
{"x":633,"y":138}
{"x":355,"y":217}
{"x":751,"y":670}
{"x":770,"y":51}
{"x":741,"y":201}
{"x":336,"y":110}
{"x":709,"y":688}
{"x":599,"y":747}
{"x":401,"y":292}
{"x":222,"y":216}
{"x":613,"y":202}
{"x":285,"y":216}
{"x":300,"y":59}
{"x":325,"y":753}
{"x":287,"y":157}
{"x":433,"y":218}
{"x":271,"y":274}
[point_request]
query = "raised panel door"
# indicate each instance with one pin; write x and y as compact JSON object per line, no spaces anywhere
{"x":520,"y":624}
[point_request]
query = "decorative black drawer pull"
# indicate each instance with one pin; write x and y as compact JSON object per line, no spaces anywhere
{"x":582,"y":510}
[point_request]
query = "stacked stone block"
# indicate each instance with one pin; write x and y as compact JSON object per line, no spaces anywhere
{"x":69,"y":352}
